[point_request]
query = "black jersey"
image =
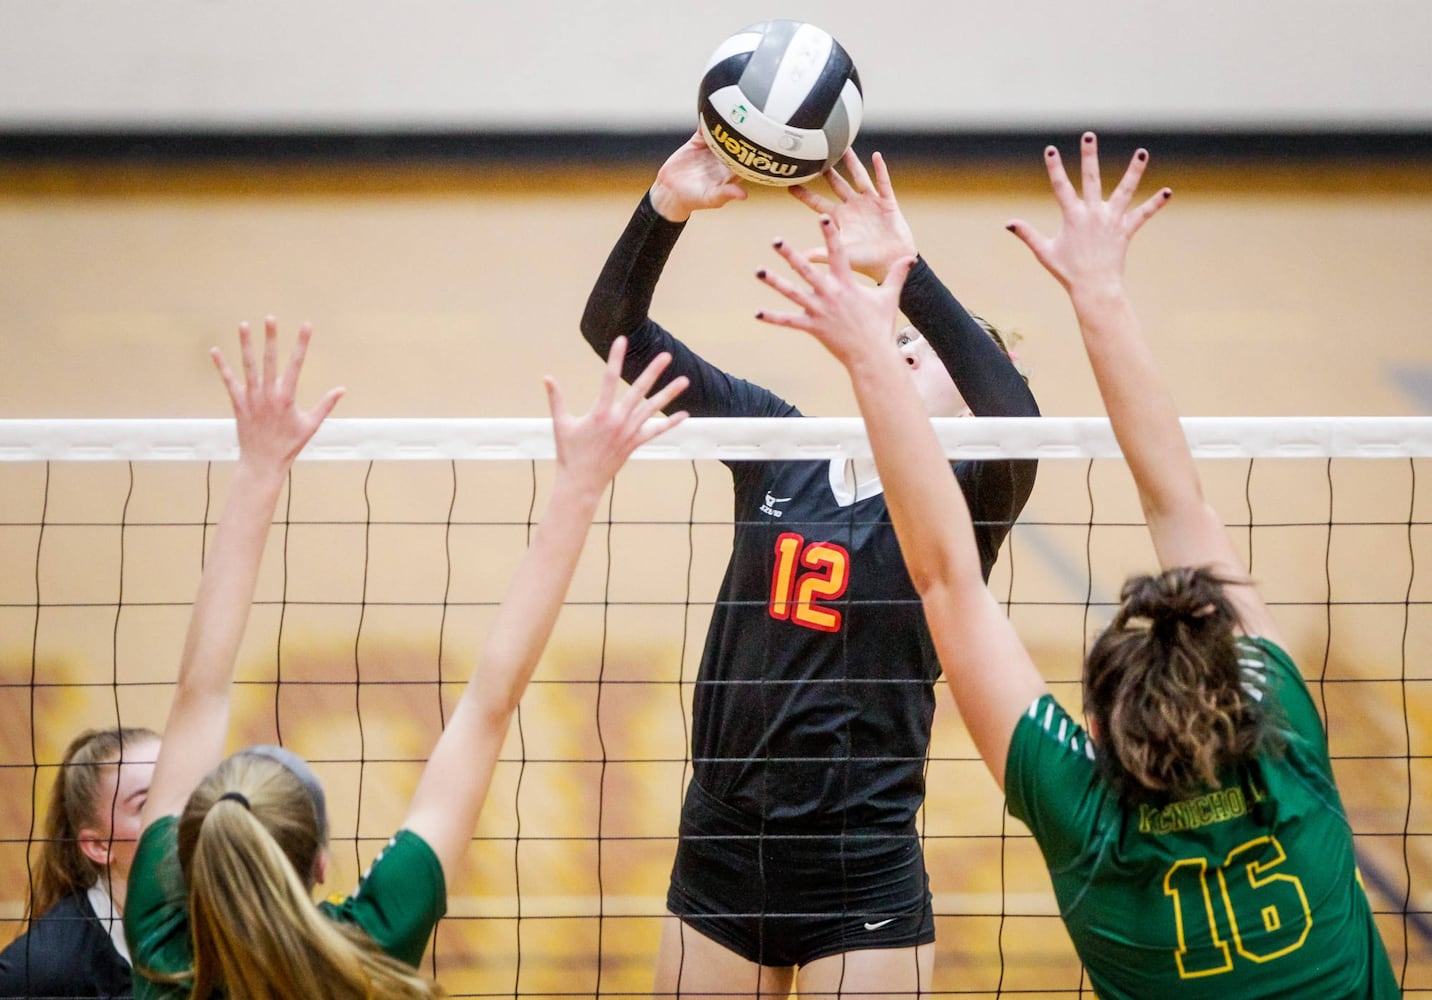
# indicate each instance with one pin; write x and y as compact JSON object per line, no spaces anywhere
{"x":814,"y":699}
{"x":65,"y":953}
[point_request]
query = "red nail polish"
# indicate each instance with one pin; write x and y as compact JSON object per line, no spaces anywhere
{"x":1088,"y":137}
{"x":761,"y":274}
{"x":1141,"y":155}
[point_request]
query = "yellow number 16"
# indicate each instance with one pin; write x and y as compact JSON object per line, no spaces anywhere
{"x":1267,"y":912}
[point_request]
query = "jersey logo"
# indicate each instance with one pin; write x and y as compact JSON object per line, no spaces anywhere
{"x":879,"y":924}
{"x":769,"y":507}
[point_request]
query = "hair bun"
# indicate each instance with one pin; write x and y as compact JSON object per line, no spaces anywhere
{"x":1184,"y":595}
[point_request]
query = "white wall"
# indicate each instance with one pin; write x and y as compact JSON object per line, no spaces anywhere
{"x":633,"y":64}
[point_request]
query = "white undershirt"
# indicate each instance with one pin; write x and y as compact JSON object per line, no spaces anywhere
{"x":843,"y":485}
{"x":109,"y":918}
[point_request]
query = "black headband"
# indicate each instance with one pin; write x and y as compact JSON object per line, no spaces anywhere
{"x":298,"y":767}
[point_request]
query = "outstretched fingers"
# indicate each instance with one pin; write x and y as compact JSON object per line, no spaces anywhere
{"x":1123,"y":193}
{"x":838,"y":184}
{"x":812,"y":200}
{"x":1089,"y":169}
{"x":784,"y":287}
{"x":835,"y":257}
{"x":895,"y":280}
{"x":859,"y":176}
{"x":629,"y":411}
{"x":324,"y":406}
{"x":804,"y":265}
{"x":270,"y":373}
{"x":1030,"y":237}
{"x":246,"y":357}
{"x":791,"y":321}
{"x":271,"y":428}
{"x":641,"y":385}
{"x":643,"y":408}
{"x":612,"y":374}
{"x":883,"y":187}
{"x":801,"y":263}
{"x":1064,"y":192}
{"x":231,"y":383}
{"x":288,"y":384}
{"x":1135,"y":219}
{"x":640,"y":402}
{"x":1094,"y":233}
{"x":556,"y":402}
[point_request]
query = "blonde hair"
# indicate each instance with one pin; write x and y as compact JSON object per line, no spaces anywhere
{"x":1005,"y":340}
{"x":249,"y":842}
{"x":63,"y":868}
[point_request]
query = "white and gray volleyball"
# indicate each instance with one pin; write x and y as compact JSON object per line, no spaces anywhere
{"x":780,"y":102}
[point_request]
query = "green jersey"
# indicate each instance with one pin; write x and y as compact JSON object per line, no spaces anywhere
{"x":397,"y":902}
{"x":1249,"y":890}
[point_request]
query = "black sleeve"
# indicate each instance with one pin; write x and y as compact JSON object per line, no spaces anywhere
{"x":996,"y":490}
{"x":15,"y":968}
{"x":28,"y":966}
{"x":65,"y":954}
{"x":618,"y":306}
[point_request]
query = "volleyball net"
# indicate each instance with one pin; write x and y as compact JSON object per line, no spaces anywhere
{"x":394,"y":544}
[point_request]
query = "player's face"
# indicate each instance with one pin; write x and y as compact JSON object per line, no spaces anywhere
{"x":933,"y":383}
{"x":119,"y":799}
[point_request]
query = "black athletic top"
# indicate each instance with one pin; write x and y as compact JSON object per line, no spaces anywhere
{"x":815,"y":695}
{"x":66,"y":953}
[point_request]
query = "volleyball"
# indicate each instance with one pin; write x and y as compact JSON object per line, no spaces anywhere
{"x":780,"y":102}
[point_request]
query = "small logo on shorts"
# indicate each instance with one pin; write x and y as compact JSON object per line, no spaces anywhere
{"x":879,"y":924}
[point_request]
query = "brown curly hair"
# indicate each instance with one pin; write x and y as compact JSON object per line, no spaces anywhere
{"x":1164,"y":689}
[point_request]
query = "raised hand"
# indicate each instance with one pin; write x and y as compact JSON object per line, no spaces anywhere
{"x":593,"y":446}
{"x":1087,"y":254}
{"x":692,"y":178}
{"x":272,"y":429}
{"x":872,"y":228}
{"x":848,"y":316}
{"x":590,"y":450}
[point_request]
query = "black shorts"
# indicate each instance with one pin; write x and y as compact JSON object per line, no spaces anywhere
{"x":780,"y":897}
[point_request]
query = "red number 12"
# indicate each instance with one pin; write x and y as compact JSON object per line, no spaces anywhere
{"x":794,"y":594}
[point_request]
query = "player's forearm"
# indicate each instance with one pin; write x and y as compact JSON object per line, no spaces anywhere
{"x":987,"y":379}
{"x":620,"y":299}
{"x":226,"y":588}
{"x":926,"y":505}
{"x":529,"y":612}
{"x":1138,"y":400}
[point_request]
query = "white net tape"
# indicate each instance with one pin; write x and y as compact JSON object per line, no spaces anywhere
{"x":728,"y":439}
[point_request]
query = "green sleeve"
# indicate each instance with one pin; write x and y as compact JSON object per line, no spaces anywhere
{"x":399,"y":899}
{"x":1052,"y":783}
{"x":1270,"y":664}
{"x":156,"y":912}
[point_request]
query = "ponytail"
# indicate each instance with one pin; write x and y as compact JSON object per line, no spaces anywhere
{"x":249,"y":843}
{"x":63,"y":869}
{"x":1164,"y":688}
